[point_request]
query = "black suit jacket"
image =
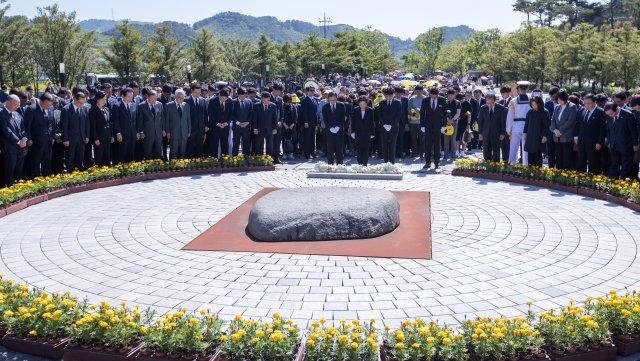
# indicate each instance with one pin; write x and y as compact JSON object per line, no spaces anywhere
{"x":125,"y":122}
{"x":593,"y":130}
{"x":390,"y":114}
{"x":100,"y":124}
{"x":363,"y":127}
{"x":199,"y":117}
{"x":432,"y":119}
{"x":493,"y":126}
{"x":216,"y":114}
{"x":309,"y":111}
{"x":622,"y":134}
{"x":265,"y":120}
{"x":334,"y":118}
{"x":75,"y":126}
{"x":242,"y":114}
{"x":10,"y":134}
{"x":39,"y":127}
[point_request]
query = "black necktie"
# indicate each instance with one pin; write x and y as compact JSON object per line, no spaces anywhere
{"x":433,"y":105}
{"x":490,"y":112}
{"x":180,"y":110}
{"x":153,"y":110}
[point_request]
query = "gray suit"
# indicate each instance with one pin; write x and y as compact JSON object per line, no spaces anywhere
{"x":178,"y":127}
{"x":565,"y":121}
{"x":152,"y":126}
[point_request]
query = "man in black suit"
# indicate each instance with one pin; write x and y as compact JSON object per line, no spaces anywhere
{"x":551,"y":104}
{"x":165,"y":98}
{"x":622,"y":140}
{"x":219,"y":112}
{"x":505,"y":144}
{"x":334,"y":114}
{"x":591,"y":128}
{"x":264,"y":124}
{"x":39,"y":124}
{"x":150,"y":125}
{"x":124,"y":124}
{"x":634,"y":103}
{"x":199,"y":120}
{"x":476,"y":102}
{"x":13,"y":141}
{"x":389,"y":115}
{"x":309,"y":119}
{"x":241,"y":117}
{"x":276,"y":98}
{"x":492,"y":128}
{"x":403,"y":125}
{"x":75,"y":131}
{"x":433,"y":117}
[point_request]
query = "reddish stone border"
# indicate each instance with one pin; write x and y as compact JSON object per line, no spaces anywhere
{"x":583,"y":191}
{"x":28,"y":202}
{"x":411,"y":239}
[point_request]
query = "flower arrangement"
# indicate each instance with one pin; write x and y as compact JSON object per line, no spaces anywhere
{"x":419,"y":340}
{"x":180,"y":333}
{"x":248,"y":339}
{"x":108,"y":326}
{"x":618,"y":187}
{"x":386,"y":168}
{"x":45,"y":316}
{"x":25,"y":189}
{"x":502,"y":338}
{"x":354,"y":341}
{"x":621,"y":314}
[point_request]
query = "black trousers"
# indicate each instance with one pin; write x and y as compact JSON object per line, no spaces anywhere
{"x":277,"y":139}
{"x":388,"y":142}
{"x":264,"y":137}
{"x":432,"y":146}
{"x":138,"y":150}
{"x":165,"y":148}
{"x":588,"y":158}
{"x":219,"y":137}
{"x":57,"y":158}
{"x":152,"y":147}
{"x":87,"y":161}
{"x":551,"y":152}
{"x":363,"y":155}
{"x":564,"y":155}
{"x":242,"y":136}
{"x":335,"y":147}
{"x":13,"y":168}
{"x":400,"y":143}
{"x":535,"y":158}
{"x":308,"y":141}
{"x":505,"y":145}
{"x":126,"y":148}
{"x":621,"y":163}
{"x":41,"y":158}
{"x":102,"y":153}
{"x":491,"y":149}
{"x":195,"y":145}
{"x":74,"y":155}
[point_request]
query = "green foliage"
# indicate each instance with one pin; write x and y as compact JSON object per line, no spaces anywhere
{"x":164,"y":54}
{"x":207,"y":58}
{"x":125,"y":53}
{"x":425,"y":57}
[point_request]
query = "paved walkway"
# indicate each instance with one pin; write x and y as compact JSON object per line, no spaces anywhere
{"x":495,"y":246}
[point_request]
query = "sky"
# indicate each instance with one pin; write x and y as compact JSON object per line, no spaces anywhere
{"x":405,"y":19}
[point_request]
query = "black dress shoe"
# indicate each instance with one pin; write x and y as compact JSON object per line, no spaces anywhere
{"x":426,"y":166}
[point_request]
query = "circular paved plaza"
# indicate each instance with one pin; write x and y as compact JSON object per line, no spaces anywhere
{"x":495,"y":246}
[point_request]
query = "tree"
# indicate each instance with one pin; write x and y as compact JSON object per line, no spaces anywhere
{"x":164,"y":54}
{"x":266,"y":55}
{"x":288,"y":58}
{"x":124,"y":53}
{"x":58,"y":39}
{"x":18,"y":67}
{"x":428,"y":46}
{"x":626,"y":60}
{"x":632,"y":7}
{"x":241,"y":54}
{"x":543,"y":10}
{"x":206,"y":56}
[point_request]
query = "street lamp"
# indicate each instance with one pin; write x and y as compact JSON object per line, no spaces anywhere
{"x":266,"y":68}
{"x":189,"y":73}
{"x":62,"y":75}
{"x":323,"y":71}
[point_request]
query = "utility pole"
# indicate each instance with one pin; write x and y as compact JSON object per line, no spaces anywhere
{"x":323,"y":22}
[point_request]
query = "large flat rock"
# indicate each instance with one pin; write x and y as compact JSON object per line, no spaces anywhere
{"x":324,"y":213}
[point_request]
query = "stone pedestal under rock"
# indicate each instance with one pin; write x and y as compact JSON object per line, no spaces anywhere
{"x":323,"y":213}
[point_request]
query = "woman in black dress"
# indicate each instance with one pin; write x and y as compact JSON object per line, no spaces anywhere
{"x":101,"y":130}
{"x":362,"y":128}
{"x":535,"y":130}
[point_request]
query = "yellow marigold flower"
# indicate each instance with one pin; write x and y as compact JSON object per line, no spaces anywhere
{"x":399,"y":346}
{"x":446,"y":341}
{"x":33,"y":333}
{"x":8,"y":314}
{"x":311,"y":343}
{"x":193,"y":320}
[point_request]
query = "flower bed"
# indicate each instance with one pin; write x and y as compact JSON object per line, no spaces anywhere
{"x":386,"y":168}
{"x":27,"y":193}
{"x":625,"y":192}
{"x":43,"y":323}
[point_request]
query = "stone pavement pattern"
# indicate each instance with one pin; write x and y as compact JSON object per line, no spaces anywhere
{"x":495,"y":246}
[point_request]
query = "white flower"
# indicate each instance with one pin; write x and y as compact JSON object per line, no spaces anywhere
{"x":386,"y":168}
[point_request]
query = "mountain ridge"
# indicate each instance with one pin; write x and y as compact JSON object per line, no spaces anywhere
{"x":227,"y":24}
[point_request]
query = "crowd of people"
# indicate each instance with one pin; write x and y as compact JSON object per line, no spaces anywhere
{"x":64,"y":130}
